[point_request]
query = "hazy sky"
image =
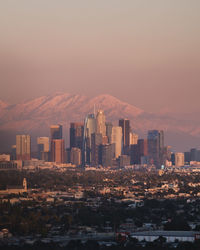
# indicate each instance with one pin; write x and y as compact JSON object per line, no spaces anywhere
{"x":146,"y":52}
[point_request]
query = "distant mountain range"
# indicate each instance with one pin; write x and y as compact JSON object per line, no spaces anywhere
{"x":35,"y":117}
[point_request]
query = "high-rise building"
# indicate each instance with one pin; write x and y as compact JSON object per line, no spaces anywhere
{"x":167,"y":155}
{"x":23,"y":147}
{"x":43,"y":143}
{"x":124,"y":160}
{"x":57,"y":151}
{"x":56,"y":131}
{"x":96,"y":141}
{"x":156,"y":147}
{"x":194,"y":154}
{"x":76,"y":135}
{"x":104,"y":139}
{"x":43,"y":148}
{"x":173,"y":158}
{"x":116,"y":139}
{"x":109,"y":131}
{"x":138,"y":151}
{"x":198,"y":155}
{"x":125,"y":125}
{"x":75,"y":156}
{"x":187,"y":156}
{"x":89,"y":128}
{"x":133,"y":138}
{"x":143,"y":147}
{"x":67,"y":155}
{"x":134,"y":154}
{"x":106,"y":155}
{"x":179,"y":159}
{"x":13,"y":152}
{"x":101,"y":123}
{"x":144,"y":160}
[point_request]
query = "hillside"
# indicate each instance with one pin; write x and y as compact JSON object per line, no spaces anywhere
{"x":35,"y":117}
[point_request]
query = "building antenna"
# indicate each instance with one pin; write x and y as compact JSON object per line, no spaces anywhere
{"x":94,"y":109}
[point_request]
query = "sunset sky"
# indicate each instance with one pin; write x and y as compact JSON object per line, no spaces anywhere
{"x":144,"y":52}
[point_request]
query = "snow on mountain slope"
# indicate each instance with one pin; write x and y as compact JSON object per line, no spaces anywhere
{"x":35,"y":116}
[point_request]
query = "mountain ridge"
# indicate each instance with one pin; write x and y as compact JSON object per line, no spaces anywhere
{"x":36,"y":115}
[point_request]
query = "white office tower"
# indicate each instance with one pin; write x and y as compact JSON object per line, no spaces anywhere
{"x":101,"y":123}
{"x":179,"y":159}
{"x":116,"y":139}
{"x":133,"y":138}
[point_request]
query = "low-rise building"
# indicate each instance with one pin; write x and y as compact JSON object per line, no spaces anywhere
{"x":170,"y":236}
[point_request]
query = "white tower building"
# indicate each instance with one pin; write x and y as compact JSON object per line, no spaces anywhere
{"x":116,"y":138}
{"x":133,"y":138}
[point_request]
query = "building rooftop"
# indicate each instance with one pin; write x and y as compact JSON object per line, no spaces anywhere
{"x":166,"y":233}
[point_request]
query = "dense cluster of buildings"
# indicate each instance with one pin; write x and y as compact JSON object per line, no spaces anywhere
{"x":99,"y":143}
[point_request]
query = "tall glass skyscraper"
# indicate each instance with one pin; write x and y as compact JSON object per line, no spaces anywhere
{"x":89,"y":129}
{"x":76,"y":135}
{"x":125,"y":125}
{"x":156,"y":147}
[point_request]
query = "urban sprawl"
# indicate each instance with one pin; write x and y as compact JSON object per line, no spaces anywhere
{"x":108,"y":190}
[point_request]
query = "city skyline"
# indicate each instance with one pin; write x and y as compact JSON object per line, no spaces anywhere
{"x":97,"y":143}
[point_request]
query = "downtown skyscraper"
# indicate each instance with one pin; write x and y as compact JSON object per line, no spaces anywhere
{"x":76,"y":135}
{"x":57,"y":144}
{"x":89,"y":129}
{"x":43,"y":148}
{"x":155,"y":147}
{"x":56,"y":131}
{"x":58,"y":151}
{"x":23,"y":147}
{"x":116,"y":139}
{"x":101,"y":123}
{"x":125,"y":125}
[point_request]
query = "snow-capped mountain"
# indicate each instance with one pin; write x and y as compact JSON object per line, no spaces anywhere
{"x":35,"y":117}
